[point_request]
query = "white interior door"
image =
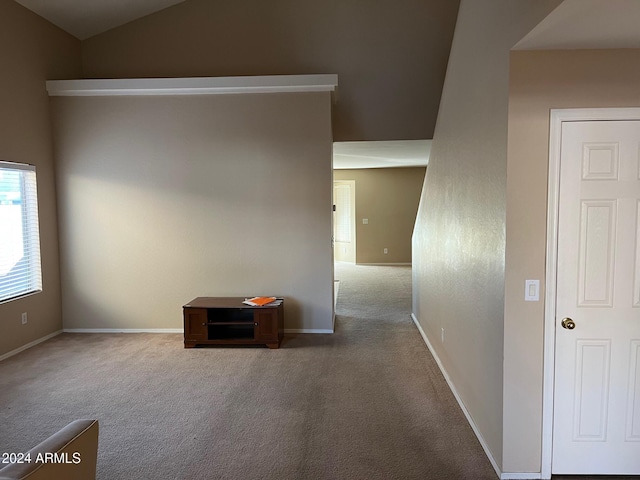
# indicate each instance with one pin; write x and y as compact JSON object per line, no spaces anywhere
{"x":596,"y":419}
{"x":344,"y":221}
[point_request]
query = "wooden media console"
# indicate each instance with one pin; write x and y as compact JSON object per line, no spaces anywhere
{"x":227,"y":321}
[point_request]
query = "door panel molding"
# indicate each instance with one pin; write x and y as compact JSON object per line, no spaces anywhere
{"x":636,"y":283}
{"x":597,"y":251}
{"x":590,"y":411}
{"x":557,"y":118}
{"x":633,"y":403}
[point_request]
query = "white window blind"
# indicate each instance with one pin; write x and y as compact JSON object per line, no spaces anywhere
{"x":20,"y":272}
{"x":343,"y":213}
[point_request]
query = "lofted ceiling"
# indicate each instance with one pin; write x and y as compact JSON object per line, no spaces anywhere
{"x":86,"y":18}
{"x":574,"y":24}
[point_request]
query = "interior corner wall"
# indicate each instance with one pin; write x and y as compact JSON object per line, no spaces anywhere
{"x":541,"y":81}
{"x":167,"y":198}
{"x":33,"y":51}
{"x":390,"y":55}
{"x":388,"y":198}
{"x":459,"y":237}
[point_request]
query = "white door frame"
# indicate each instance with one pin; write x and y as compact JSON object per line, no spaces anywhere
{"x":555,"y":137}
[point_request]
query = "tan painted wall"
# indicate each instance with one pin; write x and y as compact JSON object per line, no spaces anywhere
{"x":390,"y":55}
{"x":163,"y":199}
{"x":459,"y":238}
{"x":32,"y":51}
{"x":539,"y":82}
{"x":388,"y":198}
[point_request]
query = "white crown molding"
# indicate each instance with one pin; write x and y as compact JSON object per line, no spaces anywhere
{"x":192,"y":86}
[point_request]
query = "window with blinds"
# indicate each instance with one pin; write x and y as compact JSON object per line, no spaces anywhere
{"x":20,"y":272}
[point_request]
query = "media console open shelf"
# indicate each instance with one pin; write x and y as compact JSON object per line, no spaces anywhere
{"x":227,"y":321}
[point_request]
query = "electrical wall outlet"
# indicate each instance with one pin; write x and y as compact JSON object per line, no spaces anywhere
{"x":24,"y":318}
{"x":386,"y":250}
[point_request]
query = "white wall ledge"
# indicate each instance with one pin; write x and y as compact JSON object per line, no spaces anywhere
{"x":193,"y":86}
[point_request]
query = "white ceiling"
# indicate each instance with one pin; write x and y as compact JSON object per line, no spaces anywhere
{"x":86,"y":18}
{"x":396,"y":153}
{"x":583,"y":24}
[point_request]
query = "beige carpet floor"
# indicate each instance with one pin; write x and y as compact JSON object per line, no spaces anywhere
{"x":367,"y":402}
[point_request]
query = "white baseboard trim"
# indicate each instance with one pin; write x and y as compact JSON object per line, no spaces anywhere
{"x":386,"y":264}
{"x":173,"y":330}
{"x":307,"y":330}
{"x":123,"y":330}
{"x":483,"y":443}
{"x":521,"y":476}
{"x":29,"y":345}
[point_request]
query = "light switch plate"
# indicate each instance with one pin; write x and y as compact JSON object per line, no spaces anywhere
{"x":365,"y":221}
{"x":532,"y":290}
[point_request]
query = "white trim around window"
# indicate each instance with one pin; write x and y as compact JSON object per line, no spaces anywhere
{"x":20,"y":269}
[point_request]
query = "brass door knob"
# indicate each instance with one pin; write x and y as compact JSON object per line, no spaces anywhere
{"x":568,"y":323}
